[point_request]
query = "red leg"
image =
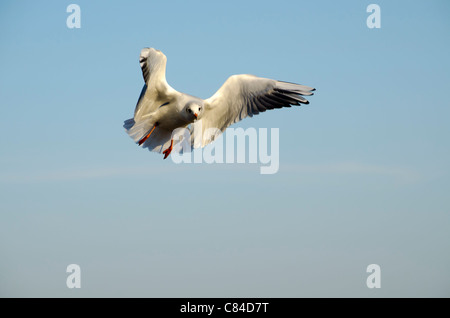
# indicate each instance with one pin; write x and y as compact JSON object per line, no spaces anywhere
{"x":148,"y":135}
{"x":168,"y":150}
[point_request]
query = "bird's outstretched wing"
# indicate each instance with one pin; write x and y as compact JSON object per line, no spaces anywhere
{"x":247,"y":95}
{"x":156,"y":92}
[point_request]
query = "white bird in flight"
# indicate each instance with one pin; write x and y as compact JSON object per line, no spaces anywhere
{"x":161,"y":109}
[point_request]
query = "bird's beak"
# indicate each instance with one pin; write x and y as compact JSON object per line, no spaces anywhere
{"x":195,"y":114}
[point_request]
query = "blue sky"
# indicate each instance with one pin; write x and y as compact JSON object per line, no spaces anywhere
{"x":364,"y":169}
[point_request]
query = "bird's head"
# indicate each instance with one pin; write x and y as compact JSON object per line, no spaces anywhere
{"x":194,"y":111}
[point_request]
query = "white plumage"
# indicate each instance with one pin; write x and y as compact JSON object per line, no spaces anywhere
{"x":161,"y":109}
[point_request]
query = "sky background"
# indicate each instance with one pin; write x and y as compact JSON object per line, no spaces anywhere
{"x":364,"y":169}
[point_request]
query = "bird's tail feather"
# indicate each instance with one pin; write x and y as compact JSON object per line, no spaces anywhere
{"x":127,"y":124}
{"x":137,"y":130}
{"x":159,"y":139}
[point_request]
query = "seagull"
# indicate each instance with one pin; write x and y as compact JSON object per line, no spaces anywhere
{"x":161,"y":109}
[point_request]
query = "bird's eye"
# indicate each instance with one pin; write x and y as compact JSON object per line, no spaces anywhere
{"x":188,"y":110}
{"x":199,"y":109}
